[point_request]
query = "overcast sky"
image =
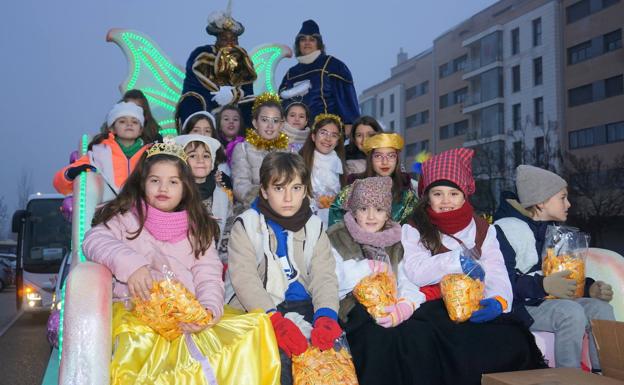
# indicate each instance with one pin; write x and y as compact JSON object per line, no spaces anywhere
{"x":60,"y":76}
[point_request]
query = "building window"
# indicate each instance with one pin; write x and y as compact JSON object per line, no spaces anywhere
{"x":417,"y":90}
{"x":537,"y":71}
{"x":413,"y":149}
{"x":579,"y":52}
{"x":580,"y":95}
{"x":391,"y":103}
{"x":538,"y":105}
{"x":612,"y":41}
{"x":515,"y":41}
{"x":444,"y":101}
{"x":459,"y":96}
{"x":460,"y":63}
{"x":417,"y":119}
{"x":445,"y":131}
{"x":517,"y":116}
{"x":581,"y":138}
{"x":381,"y":107}
{"x":515,"y":78}
{"x":615,"y":132}
{"x":517,"y":153}
{"x":392,"y":125}
{"x":461,"y":127}
{"x":537,"y":32}
{"x":540,"y":152}
{"x":454,"y":129}
{"x":445,"y":70}
{"x":584,"y":8}
{"x":614,"y":86}
{"x":424,"y":87}
{"x":368,"y":107}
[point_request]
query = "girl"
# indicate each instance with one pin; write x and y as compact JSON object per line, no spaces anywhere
{"x":296,"y":125}
{"x":265,"y":137}
{"x":114,"y":155}
{"x":391,"y":349}
{"x":229,"y":128}
{"x":383,"y":154}
{"x":158,"y":224}
{"x":280,"y":260}
{"x":445,"y":237}
{"x":200,"y":122}
{"x":363,"y":128}
{"x":150,"y":128}
{"x":215,"y":187}
{"x":323,"y":154}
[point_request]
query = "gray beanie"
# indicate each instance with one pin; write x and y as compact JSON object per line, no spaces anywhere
{"x":536,"y":185}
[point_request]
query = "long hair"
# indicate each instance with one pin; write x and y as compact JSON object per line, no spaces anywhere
{"x":429,"y":233}
{"x":203,"y":229}
{"x":193,"y":121}
{"x":151,"y":127}
{"x":307,"y":151}
{"x":400,"y":181}
{"x":364,"y":120}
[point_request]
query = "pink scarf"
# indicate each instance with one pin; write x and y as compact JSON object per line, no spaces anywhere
{"x":387,"y":237}
{"x":165,"y":226}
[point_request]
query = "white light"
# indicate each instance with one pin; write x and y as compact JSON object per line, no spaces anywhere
{"x":31,"y":303}
{"x":33,"y":296}
{"x":38,"y":193}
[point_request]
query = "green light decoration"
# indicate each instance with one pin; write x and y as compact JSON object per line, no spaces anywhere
{"x":168,"y":132}
{"x":61,"y":316}
{"x":263,"y":61}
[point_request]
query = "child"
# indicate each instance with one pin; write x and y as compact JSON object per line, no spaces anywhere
{"x":215,"y":187}
{"x":201,"y":123}
{"x":151,"y":128}
{"x":366,"y":242}
{"x":363,"y":128}
{"x":228,"y":129}
{"x":383,"y":158}
{"x":113,"y":155}
{"x":522,"y":222}
{"x":323,"y":154}
{"x":296,"y":125}
{"x":446,"y":237}
{"x":268,"y":119}
{"x":157,"y":224}
{"x":280,"y":259}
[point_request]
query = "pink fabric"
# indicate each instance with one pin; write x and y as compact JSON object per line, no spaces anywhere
{"x":453,"y":165}
{"x":166,"y":226}
{"x":110,"y":247}
{"x":397,"y":313}
{"x":229,"y":149}
{"x":384,"y":238}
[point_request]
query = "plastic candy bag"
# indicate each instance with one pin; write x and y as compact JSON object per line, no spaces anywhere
{"x":461,"y":295}
{"x":566,"y":249}
{"x":375,"y":292}
{"x":169,"y":305}
{"x":332,"y":366}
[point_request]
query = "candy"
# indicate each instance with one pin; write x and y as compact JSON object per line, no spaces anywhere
{"x":554,"y":263}
{"x":314,"y":367}
{"x":376,"y":292}
{"x":461,"y":295}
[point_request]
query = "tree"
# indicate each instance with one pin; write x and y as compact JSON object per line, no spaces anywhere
{"x":24,"y":188}
{"x":4,"y":217}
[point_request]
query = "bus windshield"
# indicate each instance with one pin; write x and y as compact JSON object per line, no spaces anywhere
{"x":47,"y":236}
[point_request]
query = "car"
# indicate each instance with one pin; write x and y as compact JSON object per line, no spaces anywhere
{"x":7,"y":270}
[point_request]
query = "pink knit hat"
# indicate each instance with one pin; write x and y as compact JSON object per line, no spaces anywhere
{"x":375,"y":191}
{"x":453,"y":165}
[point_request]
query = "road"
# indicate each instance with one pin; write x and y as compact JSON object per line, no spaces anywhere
{"x":24,"y":349}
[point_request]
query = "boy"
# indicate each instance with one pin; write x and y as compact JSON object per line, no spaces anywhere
{"x":280,"y":260}
{"x":522,"y":221}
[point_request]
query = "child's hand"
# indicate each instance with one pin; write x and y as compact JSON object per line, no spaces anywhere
{"x":140,"y":283}
{"x":601,"y":290}
{"x":192,"y":327}
{"x":559,"y":285}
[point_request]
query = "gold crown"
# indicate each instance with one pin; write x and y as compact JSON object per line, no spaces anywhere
{"x":333,"y":117}
{"x":167,"y":149}
{"x":382,"y":140}
{"x":263,"y":98}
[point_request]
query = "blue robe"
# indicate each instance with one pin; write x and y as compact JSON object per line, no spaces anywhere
{"x":332,"y":88}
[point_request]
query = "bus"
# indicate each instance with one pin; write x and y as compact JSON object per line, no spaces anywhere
{"x":43,"y":241}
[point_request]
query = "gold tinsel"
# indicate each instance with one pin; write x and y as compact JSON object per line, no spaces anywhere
{"x":279,"y":143}
{"x":333,"y":117}
{"x":263,"y":98}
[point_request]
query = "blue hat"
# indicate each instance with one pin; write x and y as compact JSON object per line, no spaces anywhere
{"x":309,"y":27}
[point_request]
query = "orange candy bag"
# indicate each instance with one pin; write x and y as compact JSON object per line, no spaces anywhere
{"x":461,"y":295}
{"x":566,"y":249}
{"x":375,"y":292}
{"x":315,"y":367}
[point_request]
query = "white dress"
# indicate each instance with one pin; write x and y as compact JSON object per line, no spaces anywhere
{"x":325,"y":180}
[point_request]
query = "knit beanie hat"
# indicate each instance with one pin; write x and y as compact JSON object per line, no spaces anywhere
{"x":453,"y":165}
{"x":212,"y":144}
{"x":375,"y":191}
{"x":536,"y":185}
{"x":125,"y":109}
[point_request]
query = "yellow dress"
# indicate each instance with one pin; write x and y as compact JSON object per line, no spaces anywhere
{"x":241,"y":350}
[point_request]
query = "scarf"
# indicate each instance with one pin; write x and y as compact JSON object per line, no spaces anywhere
{"x":169,"y":227}
{"x":451,"y":222}
{"x":296,"y":135}
{"x":389,"y":236}
{"x":279,"y":143}
{"x":229,"y":148}
{"x":309,"y":58}
{"x":207,"y":188}
{"x":294,"y":223}
{"x":326,"y":173}
{"x":132,"y":149}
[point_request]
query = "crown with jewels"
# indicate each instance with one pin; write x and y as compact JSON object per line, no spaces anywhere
{"x":263,"y":98}
{"x":169,"y":147}
{"x":333,"y":117}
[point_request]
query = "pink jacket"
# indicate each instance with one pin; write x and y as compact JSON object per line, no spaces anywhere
{"x":110,"y":247}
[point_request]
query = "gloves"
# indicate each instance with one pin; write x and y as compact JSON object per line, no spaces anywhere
{"x":72,"y":172}
{"x":378,"y":266}
{"x":224,"y":96}
{"x":289,"y":337}
{"x":398,"y":313}
{"x":325,"y":333}
{"x":601,"y":290}
{"x":471,"y":268}
{"x":299,"y":89}
{"x":490,"y":309}
{"x":558,"y":285}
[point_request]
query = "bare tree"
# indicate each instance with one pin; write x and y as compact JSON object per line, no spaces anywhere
{"x":24,"y":188}
{"x":4,"y":217}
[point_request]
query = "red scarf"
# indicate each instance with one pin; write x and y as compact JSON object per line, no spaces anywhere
{"x":451,"y":222}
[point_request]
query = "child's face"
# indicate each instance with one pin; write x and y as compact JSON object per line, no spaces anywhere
{"x":556,"y":208}
{"x":200,"y":160}
{"x":326,"y":138}
{"x":230,"y":123}
{"x":269,"y":123}
{"x":371,"y":219}
{"x":444,"y":198}
{"x":385,"y":161}
{"x":285,"y":199}
{"x":127,"y":128}
{"x":296,"y":117}
{"x":163,"y":186}
{"x":362,"y":132}
{"x":202,"y":127}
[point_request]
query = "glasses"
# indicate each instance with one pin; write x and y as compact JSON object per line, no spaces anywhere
{"x":378,"y":156}
{"x":330,"y":135}
{"x":268,"y":120}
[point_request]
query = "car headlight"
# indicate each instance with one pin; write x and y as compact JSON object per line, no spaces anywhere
{"x":32,"y":294}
